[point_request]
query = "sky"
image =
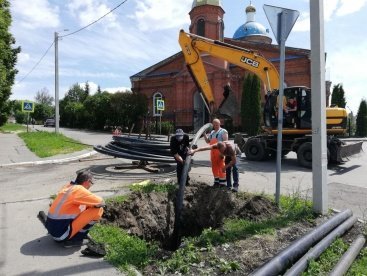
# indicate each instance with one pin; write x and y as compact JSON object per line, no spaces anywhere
{"x":141,"y":33}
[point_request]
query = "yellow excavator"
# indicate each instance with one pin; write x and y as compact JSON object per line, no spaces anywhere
{"x":297,"y":129}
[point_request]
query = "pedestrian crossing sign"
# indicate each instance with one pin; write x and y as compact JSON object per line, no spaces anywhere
{"x":27,"y":106}
{"x":160,"y":105}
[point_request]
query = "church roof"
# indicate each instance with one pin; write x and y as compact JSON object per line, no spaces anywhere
{"x":248,"y":29}
{"x":252,"y":29}
{"x":197,"y":3}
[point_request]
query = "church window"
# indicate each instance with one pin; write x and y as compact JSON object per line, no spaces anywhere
{"x":201,"y":27}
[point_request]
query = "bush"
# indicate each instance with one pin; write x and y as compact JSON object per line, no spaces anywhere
{"x":167,"y":128}
{"x":20,"y":117}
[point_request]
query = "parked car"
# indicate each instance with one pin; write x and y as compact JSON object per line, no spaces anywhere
{"x":50,"y":122}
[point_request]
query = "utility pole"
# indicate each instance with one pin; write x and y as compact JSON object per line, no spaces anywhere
{"x":57,"y":115}
{"x":318,"y":102}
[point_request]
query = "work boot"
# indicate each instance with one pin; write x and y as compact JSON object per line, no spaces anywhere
{"x":42,"y":217}
{"x":94,"y":249}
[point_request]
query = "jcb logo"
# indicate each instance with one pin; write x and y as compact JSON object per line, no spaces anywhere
{"x":250,"y":62}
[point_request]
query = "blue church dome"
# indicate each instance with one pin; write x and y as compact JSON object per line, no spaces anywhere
{"x":252,"y":30}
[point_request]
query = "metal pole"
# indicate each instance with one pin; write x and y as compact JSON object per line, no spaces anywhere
{"x":280,"y":106}
{"x":57,"y":116}
{"x":27,"y":120}
{"x":318,"y":100}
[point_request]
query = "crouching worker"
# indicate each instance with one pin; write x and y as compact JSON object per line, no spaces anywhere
{"x":74,"y":211}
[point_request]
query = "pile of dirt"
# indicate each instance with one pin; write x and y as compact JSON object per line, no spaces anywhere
{"x":151,"y":216}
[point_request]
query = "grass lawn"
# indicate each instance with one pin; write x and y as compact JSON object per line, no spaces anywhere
{"x":45,"y":144}
{"x":8,"y":127}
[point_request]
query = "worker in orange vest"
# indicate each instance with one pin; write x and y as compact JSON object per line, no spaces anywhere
{"x":74,"y":211}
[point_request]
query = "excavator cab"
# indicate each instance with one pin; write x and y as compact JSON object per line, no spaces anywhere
{"x":296,"y":108}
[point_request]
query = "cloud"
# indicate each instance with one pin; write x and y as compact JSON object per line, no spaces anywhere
{"x":35,"y":14}
{"x":92,"y":86}
{"x":349,"y":7}
{"x":22,"y":58}
{"x":156,"y":15}
{"x":302,"y":23}
{"x":332,"y":9}
{"x":87,"y":11}
{"x":346,"y":67}
{"x":116,"y":89}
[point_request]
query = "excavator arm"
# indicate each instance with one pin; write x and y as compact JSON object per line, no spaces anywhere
{"x":194,"y":46}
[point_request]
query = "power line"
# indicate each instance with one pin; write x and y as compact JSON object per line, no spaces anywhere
{"x":34,"y":67}
{"x":95,"y":21}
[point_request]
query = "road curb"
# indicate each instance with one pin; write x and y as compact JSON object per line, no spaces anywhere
{"x":55,"y":161}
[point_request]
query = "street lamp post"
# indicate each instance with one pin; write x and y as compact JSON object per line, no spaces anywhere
{"x":57,"y":115}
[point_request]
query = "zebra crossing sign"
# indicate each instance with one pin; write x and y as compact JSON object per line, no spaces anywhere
{"x":27,"y":106}
{"x":160,"y":105}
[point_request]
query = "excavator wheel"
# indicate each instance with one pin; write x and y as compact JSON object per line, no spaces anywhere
{"x":254,"y":150}
{"x":304,"y":155}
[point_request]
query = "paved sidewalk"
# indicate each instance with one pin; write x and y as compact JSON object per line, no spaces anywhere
{"x":14,"y":152}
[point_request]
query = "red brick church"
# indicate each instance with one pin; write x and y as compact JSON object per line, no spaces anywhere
{"x":170,"y":80}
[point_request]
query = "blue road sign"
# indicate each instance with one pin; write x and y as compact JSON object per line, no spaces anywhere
{"x":160,"y":105}
{"x":27,"y":106}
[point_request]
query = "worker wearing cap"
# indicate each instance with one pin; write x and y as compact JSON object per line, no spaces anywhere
{"x":179,"y":146}
{"x":74,"y":211}
{"x":218,"y":134}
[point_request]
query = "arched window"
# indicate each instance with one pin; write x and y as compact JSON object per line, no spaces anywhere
{"x":201,"y":27}
{"x":157,"y":96}
{"x":221,"y":30}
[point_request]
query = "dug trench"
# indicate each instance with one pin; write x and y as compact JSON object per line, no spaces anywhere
{"x":151,"y":216}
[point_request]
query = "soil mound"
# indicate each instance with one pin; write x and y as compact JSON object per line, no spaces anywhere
{"x":151,"y":216}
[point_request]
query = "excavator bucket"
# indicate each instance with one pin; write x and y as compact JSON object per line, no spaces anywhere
{"x":349,"y":149}
{"x":229,"y":105}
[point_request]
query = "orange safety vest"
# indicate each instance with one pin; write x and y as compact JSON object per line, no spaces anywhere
{"x":216,"y":157}
{"x":71,"y":200}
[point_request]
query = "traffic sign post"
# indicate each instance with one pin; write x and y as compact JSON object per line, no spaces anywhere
{"x":160,"y":107}
{"x":27,"y":106}
{"x":281,"y":21}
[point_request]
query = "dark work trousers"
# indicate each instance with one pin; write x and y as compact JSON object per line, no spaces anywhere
{"x":229,"y":172}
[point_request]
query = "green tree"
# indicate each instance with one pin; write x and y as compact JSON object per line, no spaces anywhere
{"x":338,"y":97}
{"x":42,"y":111}
{"x":43,"y":97}
{"x":250,"y":105}
{"x":87,"y":89}
{"x":127,"y":108}
{"x":72,"y":111}
{"x":361,"y":121}
{"x":98,"y":108}
{"x":76,"y":94}
{"x":8,"y":59}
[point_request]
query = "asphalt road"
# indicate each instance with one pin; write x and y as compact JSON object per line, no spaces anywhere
{"x":27,"y":250}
